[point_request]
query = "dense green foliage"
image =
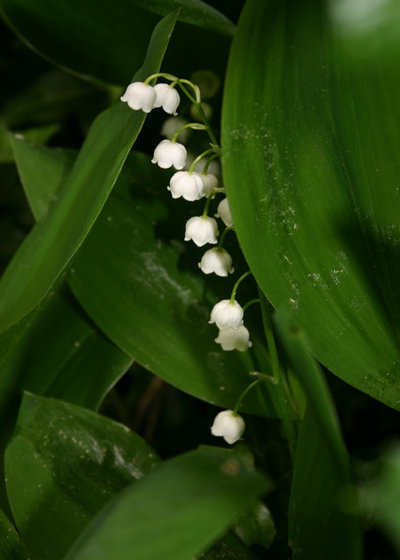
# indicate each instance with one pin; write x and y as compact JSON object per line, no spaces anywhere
{"x":110,"y":372}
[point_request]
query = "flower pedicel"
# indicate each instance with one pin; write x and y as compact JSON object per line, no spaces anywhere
{"x":192,"y":186}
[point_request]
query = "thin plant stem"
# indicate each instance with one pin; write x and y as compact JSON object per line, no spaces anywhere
{"x":251,"y":302}
{"x":193,"y":126}
{"x":199,"y":158}
{"x":206,"y":208}
{"x":164,"y":75}
{"x":237,"y":284}
{"x":195,"y":89}
{"x":197,"y":102}
{"x":223,"y":235}
{"x":209,"y":160}
{"x":240,"y":399}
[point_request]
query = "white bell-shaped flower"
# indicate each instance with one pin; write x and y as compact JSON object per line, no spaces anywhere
{"x":186,"y":185}
{"x":227,"y":314}
{"x":167,"y":97}
{"x":234,"y":339}
{"x":210,"y":183}
{"x":201,"y":230}
{"x":168,"y":154}
{"x":140,"y":96}
{"x":224,"y":212}
{"x":216,"y":260}
{"x":172,"y":125}
{"x":228,"y":425}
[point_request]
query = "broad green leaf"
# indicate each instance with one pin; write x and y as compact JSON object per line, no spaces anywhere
{"x":53,"y":355}
{"x":111,"y":37}
{"x":42,"y":172}
{"x":53,"y":241}
{"x":11,"y":547}
{"x":10,"y":383}
{"x":176,"y":511}
{"x":139,"y":291}
{"x":323,"y":520}
{"x":64,"y":356}
{"x":311,"y":128}
{"x":56,"y":352}
{"x":62,"y":465}
{"x":39,"y":135}
{"x":137,"y":324}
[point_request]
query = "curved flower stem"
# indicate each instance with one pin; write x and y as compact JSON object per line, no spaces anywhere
{"x":196,"y":99}
{"x":193,"y":126}
{"x":237,"y":283}
{"x":240,"y":399}
{"x":196,"y":90}
{"x":251,"y":302}
{"x":199,"y":158}
{"x":206,"y":122}
{"x":169,"y":77}
{"x":264,"y":377}
{"x":221,"y":240}
{"x":197,"y":102}
{"x":209,"y":160}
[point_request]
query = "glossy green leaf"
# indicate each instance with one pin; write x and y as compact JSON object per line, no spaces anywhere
{"x":110,"y":37}
{"x":64,"y":356}
{"x":39,"y":135}
{"x":175,"y":512}
{"x":310,"y":141}
{"x":53,"y":355}
{"x":138,"y":290}
{"x":11,"y":547}
{"x":137,"y":324}
{"x":42,"y":172}
{"x":56,"y":237}
{"x":62,"y":465}
{"x":323,"y":520}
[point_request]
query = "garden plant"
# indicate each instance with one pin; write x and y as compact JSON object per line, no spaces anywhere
{"x":200,"y":290}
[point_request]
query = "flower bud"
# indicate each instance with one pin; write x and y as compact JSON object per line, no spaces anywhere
{"x":210,"y":183}
{"x":194,"y":111}
{"x":227,"y":314}
{"x":201,"y":230}
{"x":140,"y":96}
{"x":218,"y":261}
{"x":228,"y":425}
{"x":234,"y":339}
{"x":224,"y":212}
{"x":168,"y":154}
{"x":186,"y":185}
{"x":207,"y":81}
{"x":166,"y":97}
